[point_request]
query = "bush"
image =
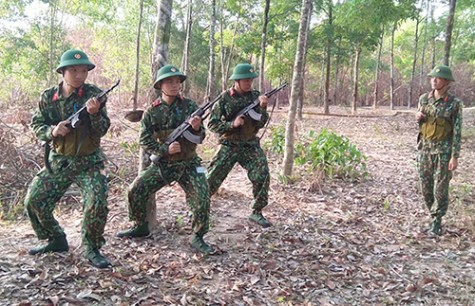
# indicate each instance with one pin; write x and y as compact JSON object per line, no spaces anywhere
{"x":328,"y":152}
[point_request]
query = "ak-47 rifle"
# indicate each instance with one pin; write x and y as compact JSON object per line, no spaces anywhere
{"x":249,"y":110}
{"x":183,"y":130}
{"x":75,"y":119}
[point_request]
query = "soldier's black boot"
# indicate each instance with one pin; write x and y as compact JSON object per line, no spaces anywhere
{"x":258,"y":218}
{"x":199,"y":244}
{"x":96,"y":259}
{"x":436,"y":228}
{"x":138,"y":230}
{"x":56,"y":244}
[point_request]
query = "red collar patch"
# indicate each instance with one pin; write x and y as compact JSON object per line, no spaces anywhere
{"x":156,"y":103}
{"x":232,"y":92}
{"x":55,"y":96}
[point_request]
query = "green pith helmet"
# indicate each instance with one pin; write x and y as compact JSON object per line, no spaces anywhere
{"x":72,"y":58}
{"x":443,"y":72}
{"x":166,"y":72}
{"x":243,"y":71}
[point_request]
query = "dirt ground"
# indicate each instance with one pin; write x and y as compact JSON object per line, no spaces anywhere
{"x":345,"y":243}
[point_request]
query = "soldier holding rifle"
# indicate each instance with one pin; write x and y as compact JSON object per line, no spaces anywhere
{"x":172,"y":162}
{"x":76,"y":157}
{"x":239,"y":141}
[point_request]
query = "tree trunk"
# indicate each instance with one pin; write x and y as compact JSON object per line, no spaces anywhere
{"x":137,"y":58}
{"x":414,"y":61}
{"x":448,"y":32}
{"x":159,"y":59}
{"x":337,"y":73}
{"x":162,"y":36}
{"x":221,"y":47}
{"x":51,"y":57}
{"x":378,"y":65}
{"x":391,"y":69}
{"x":326,"y":94}
{"x":263,"y":46}
{"x":302,"y":84}
{"x":212,"y":45}
{"x":355,"y":80}
{"x":296,"y":79}
{"x":186,"y":49}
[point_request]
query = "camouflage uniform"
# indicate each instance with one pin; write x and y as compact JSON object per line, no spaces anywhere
{"x":434,"y":155}
{"x":239,"y":145}
{"x":82,"y":166}
{"x":184,"y":167}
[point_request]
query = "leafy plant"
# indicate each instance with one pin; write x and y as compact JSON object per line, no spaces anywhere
{"x":332,"y":153}
{"x":276,"y":143}
{"x":328,"y":152}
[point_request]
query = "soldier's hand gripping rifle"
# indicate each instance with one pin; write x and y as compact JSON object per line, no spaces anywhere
{"x":75,"y":119}
{"x":249,"y":110}
{"x":183,"y":130}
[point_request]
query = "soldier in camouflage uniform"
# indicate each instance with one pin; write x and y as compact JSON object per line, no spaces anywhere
{"x":238,"y":140}
{"x":76,"y":157}
{"x":440,"y":120}
{"x":175,"y":162}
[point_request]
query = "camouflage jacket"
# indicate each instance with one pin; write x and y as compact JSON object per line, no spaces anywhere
{"x":225,"y":111}
{"x":449,"y":108}
{"x":53,"y":108}
{"x":158,"y":123}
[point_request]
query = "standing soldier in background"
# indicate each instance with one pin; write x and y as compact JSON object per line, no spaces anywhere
{"x":176,"y":162}
{"x":76,"y":158}
{"x":440,"y":120}
{"x":239,"y":141}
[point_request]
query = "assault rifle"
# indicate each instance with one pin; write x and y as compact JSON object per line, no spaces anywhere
{"x":183,"y":130}
{"x":249,"y":110}
{"x":75,"y":120}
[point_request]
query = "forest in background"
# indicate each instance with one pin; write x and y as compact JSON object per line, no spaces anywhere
{"x":394,"y":44}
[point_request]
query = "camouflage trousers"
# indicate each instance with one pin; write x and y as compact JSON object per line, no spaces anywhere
{"x":191,"y":178}
{"x":46,"y":190}
{"x":434,"y":177}
{"x":252,"y":158}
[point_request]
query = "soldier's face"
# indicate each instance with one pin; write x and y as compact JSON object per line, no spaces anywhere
{"x":171,"y":85}
{"x":438,"y":83}
{"x":75,"y":76}
{"x":245,"y":85}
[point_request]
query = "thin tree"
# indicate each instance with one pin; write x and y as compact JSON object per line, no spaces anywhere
{"x":288,"y":161}
{"x":159,"y":59}
{"x":391,"y":68}
{"x":448,"y":32}
{"x":162,"y":35}
{"x":328,"y":56}
{"x":186,"y":48}
{"x":377,"y":73}
{"x":414,"y":62}
{"x":212,"y":46}
{"x":221,"y":47}
{"x":302,"y":84}
{"x":356,"y":71}
{"x":137,"y":58}
{"x":263,"y":46}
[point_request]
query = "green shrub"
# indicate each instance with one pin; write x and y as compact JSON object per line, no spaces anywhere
{"x":327,"y":152}
{"x":332,"y":153}
{"x":276,"y":143}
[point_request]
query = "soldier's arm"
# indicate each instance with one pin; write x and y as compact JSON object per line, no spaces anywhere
{"x":40,"y":125}
{"x":217,"y":122}
{"x":147,"y":140}
{"x":457,"y":134}
{"x":100,"y":121}
{"x":262,"y":110}
{"x":193,"y":107}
